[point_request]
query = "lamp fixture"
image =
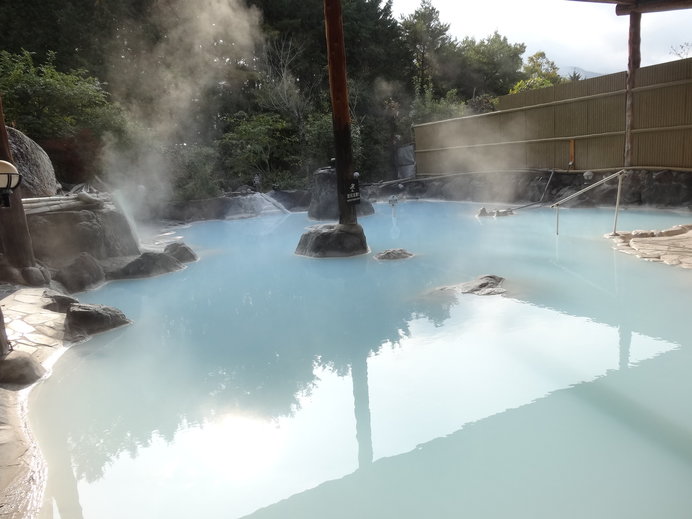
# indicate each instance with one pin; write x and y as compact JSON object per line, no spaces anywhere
{"x":9,"y":180}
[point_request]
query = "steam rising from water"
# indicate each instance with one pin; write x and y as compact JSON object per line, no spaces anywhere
{"x":163,"y":67}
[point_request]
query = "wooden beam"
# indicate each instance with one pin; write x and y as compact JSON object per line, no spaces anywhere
{"x":651,"y":6}
{"x":341,"y":119}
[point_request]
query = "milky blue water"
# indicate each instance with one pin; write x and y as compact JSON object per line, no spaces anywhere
{"x":263,"y":384}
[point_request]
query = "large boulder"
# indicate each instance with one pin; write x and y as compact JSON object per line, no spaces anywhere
{"x":20,"y":369}
{"x":84,"y":272}
{"x":82,"y":320}
{"x":332,"y":241}
{"x":34,"y":165}
{"x":60,"y":236}
{"x":324,"y":202}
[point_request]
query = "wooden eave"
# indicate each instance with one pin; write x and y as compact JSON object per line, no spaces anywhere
{"x":624,"y":7}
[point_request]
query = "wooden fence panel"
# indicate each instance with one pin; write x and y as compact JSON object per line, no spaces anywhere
{"x":534,"y":129}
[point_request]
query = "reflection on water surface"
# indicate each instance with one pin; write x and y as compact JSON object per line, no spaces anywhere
{"x":260,"y":383}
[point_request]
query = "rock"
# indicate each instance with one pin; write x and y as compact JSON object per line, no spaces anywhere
{"x":393,"y":254}
{"x":194,"y":210}
{"x":483,"y":286}
{"x":332,"y":240}
{"x":324,"y":202}
{"x":59,"y":302}
{"x":148,"y":264}
{"x":21,"y":369}
{"x":59,"y":237}
{"x":34,"y":165}
{"x":82,"y":320}
{"x":295,"y":200}
{"x":181,"y":252}
{"x":35,"y":277}
{"x":84,"y":272}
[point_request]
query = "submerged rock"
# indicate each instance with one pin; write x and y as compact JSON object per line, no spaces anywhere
{"x":393,"y":254}
{"x":483,"y":286}
{"x":487,"y":285}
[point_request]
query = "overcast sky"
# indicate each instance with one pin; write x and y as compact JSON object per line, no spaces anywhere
{"x":572,"y":34}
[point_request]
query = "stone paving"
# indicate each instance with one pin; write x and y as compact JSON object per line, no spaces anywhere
{"x":38,"y":332}
{"x":672,"y":246}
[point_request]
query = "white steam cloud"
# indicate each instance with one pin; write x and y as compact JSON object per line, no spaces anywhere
{"x":162,"y":68}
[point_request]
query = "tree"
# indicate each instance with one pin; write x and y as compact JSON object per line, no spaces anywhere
{"x":493,"y":64}
{"x":69,"y":114}
{"x":264,"y":144}
{"x":539,"y":66}
{"x":539,"y":72}
{"x":426,"y":37}
{"x":682,"y":51}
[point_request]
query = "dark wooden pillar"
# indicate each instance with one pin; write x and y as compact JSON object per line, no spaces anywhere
{"x":14,"y":231}
{"x":633,"y":64}
{"x":341,"y":119}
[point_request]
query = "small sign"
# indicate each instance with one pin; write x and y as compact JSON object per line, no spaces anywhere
{"x":353,"y":192}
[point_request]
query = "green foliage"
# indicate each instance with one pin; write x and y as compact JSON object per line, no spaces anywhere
{"x":426,"y":37}
{"x":426,"y":108}
{"x":539,"y":72}
{"x":539,"y":66}
{"x":493,"y":63}
{"x":530,"y":84}
{"x":262,"y":144}
{"x":194,"y":167}
{"x":574,"y":76}
{"x":45,"y":103}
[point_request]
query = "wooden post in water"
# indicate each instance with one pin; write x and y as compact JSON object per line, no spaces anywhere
{"x":341,"y":119}
{"x":633,"y":64}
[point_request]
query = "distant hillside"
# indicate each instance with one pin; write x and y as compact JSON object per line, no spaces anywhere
{"x":585,"y":74}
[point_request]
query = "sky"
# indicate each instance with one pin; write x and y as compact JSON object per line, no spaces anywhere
{"x":572,"y":34}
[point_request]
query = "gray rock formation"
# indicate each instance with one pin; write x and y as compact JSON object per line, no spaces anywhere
{"x":84,"y":272}
{"x":194,"y":210}
{"x":332,"y":241}
{"x":148,"y":264}
{"x":59,"y":302}
{"x":393,"y":254}
{"x":20,"y":369}
{"x":60,"y":236}
{"x":34,"y":165}
{"x":82,"y":320}
{"x":324,"y":204}
{"x":295,"y":200}
{"x":487,"y":285}
{"x":181,"y":252}
{"x":483,"y":286}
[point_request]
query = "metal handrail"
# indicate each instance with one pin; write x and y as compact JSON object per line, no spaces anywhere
{"x":557,"y":204}
{"x":587,"y":188}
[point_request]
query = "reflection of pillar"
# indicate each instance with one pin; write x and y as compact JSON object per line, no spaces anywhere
{"x":361,"y":398}
{"x":61,"y":486}
{"x":625,"y":335}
